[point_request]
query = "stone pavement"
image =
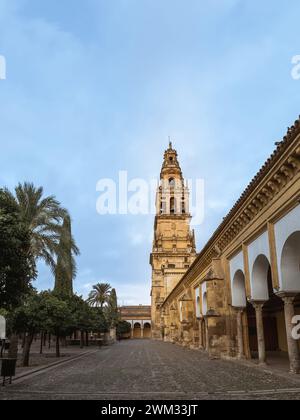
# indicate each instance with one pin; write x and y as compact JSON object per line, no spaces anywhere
{"x":48,"y":357}
{"x":152,"y":370}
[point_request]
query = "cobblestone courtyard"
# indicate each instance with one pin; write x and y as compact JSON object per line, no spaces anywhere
{"x":151,"y":370}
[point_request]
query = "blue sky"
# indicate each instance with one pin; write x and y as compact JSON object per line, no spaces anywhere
{"x":97,"y":86}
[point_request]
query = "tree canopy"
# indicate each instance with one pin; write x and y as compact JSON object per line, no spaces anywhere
{"x":100,"y":294}
{"x":17,"y":264}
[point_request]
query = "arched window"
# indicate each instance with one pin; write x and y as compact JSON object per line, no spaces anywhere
{"x":290,"y":263}
{"x":172,"y":205}
{"x":259,"y":284}
{"x":172,"y":182}
{"x":198,"y":308}
{"x":163,"y":207}
{"x":239,"y":299}
{"x":183,"y":206}
{"x":204,"y":304}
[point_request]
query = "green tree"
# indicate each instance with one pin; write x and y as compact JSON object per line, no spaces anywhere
{"x":99,"y":296}
{"x":100,"y":324}
{"x":43,"y":217}
{"x":83,"y":316}
{"x":42,"y":312}
{"x":17,"y":265}
{"x":59,"y":319}
{"x":65,"y":270}
{"x":28,"y":319}
{"x":123,"y":327}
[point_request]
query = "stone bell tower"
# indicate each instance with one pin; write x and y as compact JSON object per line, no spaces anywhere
{"x":174,"y":248}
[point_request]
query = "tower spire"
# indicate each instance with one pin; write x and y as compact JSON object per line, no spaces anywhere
{"x":173,"y":245}
{"x":171,"y":167}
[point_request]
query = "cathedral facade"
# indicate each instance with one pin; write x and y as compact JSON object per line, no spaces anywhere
{"x":239,"y":296}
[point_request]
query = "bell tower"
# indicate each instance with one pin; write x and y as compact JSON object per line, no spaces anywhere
{"x":174,"y":248}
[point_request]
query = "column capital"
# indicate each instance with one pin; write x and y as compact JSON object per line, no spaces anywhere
{"x":287,"y":297}
{"x":258,"y":304}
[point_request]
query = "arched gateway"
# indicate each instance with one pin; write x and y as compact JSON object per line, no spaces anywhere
{"x":139,"y":317}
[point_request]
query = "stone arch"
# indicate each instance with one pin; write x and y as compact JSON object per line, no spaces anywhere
{"x":172,"y":182}
{"x":197,"y":302}
{"x":198,"y":306}
{"x":239,"y":299}
{"x":137,"y":330}
{"x":203,"y":294}
{"x":147,"y":330}
{"x":236,"y":264}
{"x":173,"y":205}
{"x":290,"y":263}
{"x":285,"y":228}
{"x":259,"y":279}
{"x":204,"y":304}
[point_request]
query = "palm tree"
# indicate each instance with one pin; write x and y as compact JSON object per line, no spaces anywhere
{"x":100,"y":295}
{"x":44,"y":219}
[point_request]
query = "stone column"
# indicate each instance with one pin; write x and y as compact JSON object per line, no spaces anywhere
{"x":240,"y":335}
{"x":289,"y":312}
{"x":258,"y":306}
{"x":142,"y":331}
{"x":132,"y":332}
{"x":201,"y":346}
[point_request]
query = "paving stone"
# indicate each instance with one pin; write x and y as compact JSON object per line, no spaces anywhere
{"x":152,"y":370}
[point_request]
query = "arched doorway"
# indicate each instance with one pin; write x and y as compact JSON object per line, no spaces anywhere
{"x":272,"y":309}
{"x":147,"y":330}
{"x":239,"y":290}
{"x":290,"y":283}
{"x":290,"y":263}
{"x":137,"y":330}
{"x":204,"y":304}
{"x":239,"y":302}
